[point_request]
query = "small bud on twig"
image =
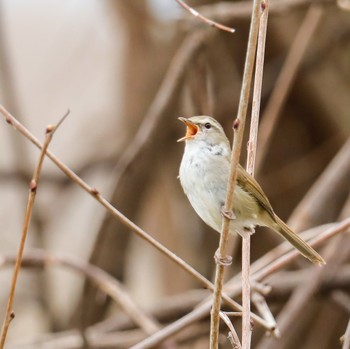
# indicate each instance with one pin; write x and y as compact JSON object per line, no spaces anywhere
{"x":94,"y":191}
{"x":8,"y":120}
{"x":33,"y":185}
{"x":50,"y":128}
{"x":235,"y":124}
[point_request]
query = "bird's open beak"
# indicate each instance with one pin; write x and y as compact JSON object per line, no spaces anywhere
{"x":191,"y":130}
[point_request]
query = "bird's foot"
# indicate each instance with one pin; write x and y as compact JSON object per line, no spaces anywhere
{"x":222,"y":260}
{"x":228,"y":214}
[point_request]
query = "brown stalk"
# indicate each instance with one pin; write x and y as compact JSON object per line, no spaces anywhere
{"x":316,"y":203}
{"x":251,"y":158}
{"x":232,"y":335}
{"x":99,"y":277}
{"x":322,"y":234}
{"x":263,"y":308}
{"x":169,"y":308}
{"x":287,"y":258}
{"x":170,"y":84}
{"x":346,"y":337}
{"x":238,"y":127}
{"x":33,"y":186}
{"x":336,"y":253}
{"x":204,"y":19}
{"x":342,"y":299}
{"x":226,"y":11}
{"x":285,"y":80}
{"x":115,"y":213}
{"x":302,"y":295}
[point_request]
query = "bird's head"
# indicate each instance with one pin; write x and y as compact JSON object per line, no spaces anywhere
{"x":203,"y":128}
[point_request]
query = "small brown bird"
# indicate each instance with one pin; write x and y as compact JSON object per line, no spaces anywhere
{"x":204,"y":173}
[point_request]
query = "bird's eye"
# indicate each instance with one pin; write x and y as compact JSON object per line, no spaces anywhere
{"x":207,"y":125}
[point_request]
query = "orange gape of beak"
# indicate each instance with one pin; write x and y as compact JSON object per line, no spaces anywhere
{"x":191,"y":130}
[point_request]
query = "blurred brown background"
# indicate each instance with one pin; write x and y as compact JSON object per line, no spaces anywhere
{"x":127,"y":70}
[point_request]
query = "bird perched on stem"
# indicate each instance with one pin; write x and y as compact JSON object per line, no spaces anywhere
{"x":204,"y":174}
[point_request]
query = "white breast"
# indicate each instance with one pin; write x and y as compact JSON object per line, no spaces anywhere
{"x":204,"y":172}
{"x":204,"y":187}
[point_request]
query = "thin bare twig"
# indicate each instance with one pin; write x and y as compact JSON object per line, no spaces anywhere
{"x":247,"y":327}
{"x":336,"y":253}
{"x":226,"y":11}
{"x":251,"y":157}
{"x":115,"y":213}
{"x":170,"y":84}
{"x":346,"y":337}
{"x":238,"y":127}
{"x":259,"y":70}
{"x":33,"y":186}
{"x":263,"y":309}
{"x":322,"y":234}
{"x":9,"y":96}
{"x":204,"y":19}
{"x":71,"y":339}
{"x":287,"y":258}
{"x":316,"y":203}
{"x":283,"y":254}
{"x":232,"y":335}
{"x":104,"y":281}
{"x":341,"y":298}
{"x":285,"y":80}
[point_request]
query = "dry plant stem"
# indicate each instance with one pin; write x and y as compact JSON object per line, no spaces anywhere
{"x":238,"y":128}
{"x":225,"y":11}
{"x":335,"y":178}
{"x":104,"y":281}
{"x":251,"y":156}
{"x":170,"y":84}
{"x":283,"y":283}
{"x":259,"y":69}
{"x":114,"y":212}
{"x":197,"y":314}
{"x":336,"y":253}
{"x":279,"y":261}
{"x":9,"y":96}
{"x":246,"y":321}
{"x":284,"y":254}
{"x":316,"y":201}
{"x":287,"y":258}
{"x":71,"y":339}
{"x":346,"y":343}
{"x":33,"y":186}
{"x":341,"y":298}
{"x":28,"y":261}
{"x":260,"y":303}
{"x":262,"y":272}
{"x":336,"y":167}
{"x":172,"y":329}
{"x":285,"y":80}
{"x":232,"y":336}
{"x":204,"y":19}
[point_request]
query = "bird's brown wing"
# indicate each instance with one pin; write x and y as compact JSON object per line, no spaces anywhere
{"x":252,"y":187}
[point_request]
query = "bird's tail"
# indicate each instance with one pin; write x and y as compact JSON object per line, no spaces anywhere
{"x":303,"y":247}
